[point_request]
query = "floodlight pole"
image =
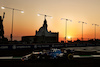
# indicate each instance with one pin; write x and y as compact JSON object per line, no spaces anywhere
{"x":95,"y":31}
{"x":82,"y":28}
{"x":45,"y":17}
{"x":11,"y":36}
{"x":82,"y":31}
{"x":66,"y":27}
{"x":66,"y":30}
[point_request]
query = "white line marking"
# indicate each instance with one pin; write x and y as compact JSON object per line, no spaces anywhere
{"x":6,"y":57}
{"x":76,"y":56}
{"x":96,"y":55}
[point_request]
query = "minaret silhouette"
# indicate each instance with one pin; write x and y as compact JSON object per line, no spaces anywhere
{"x":45,"y":25}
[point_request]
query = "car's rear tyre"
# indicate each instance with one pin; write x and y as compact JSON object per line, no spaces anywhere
{"x":70,"y":56}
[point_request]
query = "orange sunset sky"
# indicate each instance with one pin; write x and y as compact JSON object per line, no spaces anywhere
{"x":27,"y":23}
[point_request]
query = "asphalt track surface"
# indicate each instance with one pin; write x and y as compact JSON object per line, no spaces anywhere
{"x":77,"y":62}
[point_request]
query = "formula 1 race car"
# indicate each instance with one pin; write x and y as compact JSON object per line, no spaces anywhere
{"x":53,"y":53}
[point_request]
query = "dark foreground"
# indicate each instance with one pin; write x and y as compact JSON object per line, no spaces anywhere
{"x":85,"y":62}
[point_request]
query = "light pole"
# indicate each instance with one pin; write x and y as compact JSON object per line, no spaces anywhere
{"x":95,"y":30}
{"x":82,"y":27}
{"x":44,"y":19}
{"x":11,"y":36}
{"x":66,"y":26}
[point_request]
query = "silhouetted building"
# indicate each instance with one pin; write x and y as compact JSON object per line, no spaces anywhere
{"x":42,"y":36}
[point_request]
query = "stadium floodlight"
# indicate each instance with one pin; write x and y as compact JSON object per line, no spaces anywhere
{"x":51,"y":17}
{"x":11,"y":36}
{"x":2,"y":7}
{"x":95,"y":30}
{"x":44,"y":15}
{"x":82,"y":27}
{"x":22,"y":11}
{"x":38,"y":14}
{"x":66,"y":26}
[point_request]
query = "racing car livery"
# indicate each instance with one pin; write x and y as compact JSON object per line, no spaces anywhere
{"x":53,"y":53}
